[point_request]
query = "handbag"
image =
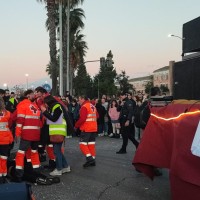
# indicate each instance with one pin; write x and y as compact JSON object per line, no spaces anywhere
{"x":57,"y":138}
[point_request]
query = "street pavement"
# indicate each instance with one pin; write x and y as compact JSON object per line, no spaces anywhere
{"x":113,"y":177}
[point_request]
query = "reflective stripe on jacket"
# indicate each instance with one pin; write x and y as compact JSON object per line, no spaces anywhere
{"x":56,"y":128}
{"x":90,"y":125}
{"x":5,"y":133}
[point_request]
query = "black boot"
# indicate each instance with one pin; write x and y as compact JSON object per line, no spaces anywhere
{"x":121,"y":151}
{"x":90,"y":162}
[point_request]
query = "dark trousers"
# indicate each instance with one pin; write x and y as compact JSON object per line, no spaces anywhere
{"x":4,"y":150}
{"x":25,"y":144}
{"x":128,"y":132}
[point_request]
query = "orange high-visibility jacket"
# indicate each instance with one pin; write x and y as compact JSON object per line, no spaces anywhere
{"x":5,"y":133}
{"x":90,"y":125}
{"x":28,"y":121}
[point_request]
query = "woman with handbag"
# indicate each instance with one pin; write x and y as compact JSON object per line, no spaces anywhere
{"x":57,"y":131}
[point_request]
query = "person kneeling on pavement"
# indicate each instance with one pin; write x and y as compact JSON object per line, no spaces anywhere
{"x":29,"y":175}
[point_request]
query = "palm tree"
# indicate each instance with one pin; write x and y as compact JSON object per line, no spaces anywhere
{"x":51,"y":27}
{"x":76,"y":15}
{"x":51,"y":13}
{"x":78,"y":51}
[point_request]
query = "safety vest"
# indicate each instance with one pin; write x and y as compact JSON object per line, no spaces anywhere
{"x":59,"y":127}
{"x":5,"y":133}
{"x":12,"y":100}
{"x":90,"y":124}
{"x":28,"y":121}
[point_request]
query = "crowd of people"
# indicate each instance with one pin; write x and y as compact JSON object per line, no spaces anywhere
{"x":39,"y":122}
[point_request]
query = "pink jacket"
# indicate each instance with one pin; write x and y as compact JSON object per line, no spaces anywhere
{"x":113,"y":113}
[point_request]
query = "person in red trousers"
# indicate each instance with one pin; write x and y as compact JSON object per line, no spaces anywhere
{"x":28,"y":127}
{"x":87,"y":123}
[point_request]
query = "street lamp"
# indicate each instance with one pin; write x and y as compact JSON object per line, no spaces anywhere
{"x":171,"y":35}
{"x":26,"y":81}
{"x":182,"y":38}
{"x":5,"y":85}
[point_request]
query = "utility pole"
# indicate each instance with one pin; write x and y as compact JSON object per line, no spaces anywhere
{"x":68,"y":32}
{"x":61,"y":52}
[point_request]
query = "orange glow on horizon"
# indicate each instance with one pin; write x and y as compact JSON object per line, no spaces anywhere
{"x":172,"y":118}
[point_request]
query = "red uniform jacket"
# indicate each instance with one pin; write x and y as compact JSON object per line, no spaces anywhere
{"x":5,"y":133}
{"x":88,"y":118}
{"x":28,"y":122}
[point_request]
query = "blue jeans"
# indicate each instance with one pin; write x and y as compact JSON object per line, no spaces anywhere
{"x":105,"y":127}
{"x":100,"y":128}
{"x":61,"y":161}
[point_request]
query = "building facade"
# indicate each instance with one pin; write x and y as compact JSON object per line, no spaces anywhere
{"x":161,"y":77}
{"x":140,"y":83}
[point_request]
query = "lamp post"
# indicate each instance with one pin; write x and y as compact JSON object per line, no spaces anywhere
{"x":61,"y":52}
{"x":26,"y":81}
{"x":172,"y":35}
{"x":68,"y":38}
{"x":87,"y":62}
{"x":181,"y":38}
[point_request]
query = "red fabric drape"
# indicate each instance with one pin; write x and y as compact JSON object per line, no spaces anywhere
{"x":166,"y":144}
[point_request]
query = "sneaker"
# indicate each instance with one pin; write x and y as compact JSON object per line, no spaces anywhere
{"x":101,"y":134}
{"x":111,"y":135}
{"x":66,"y":170}
{"x":56,"y":172}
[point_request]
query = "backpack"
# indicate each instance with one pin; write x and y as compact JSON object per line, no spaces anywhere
{"x":141,"y":115}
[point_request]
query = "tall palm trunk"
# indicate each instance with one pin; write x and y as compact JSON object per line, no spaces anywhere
{"x":65,"y":57}
{"x":71,"y":71}
{"x":52,"y":42}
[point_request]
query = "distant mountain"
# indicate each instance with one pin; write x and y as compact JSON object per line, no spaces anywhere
{"x":32,"y":85}
{"x":40,"y":82}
